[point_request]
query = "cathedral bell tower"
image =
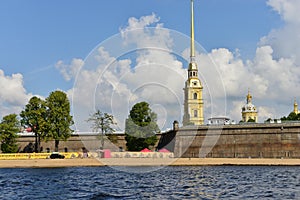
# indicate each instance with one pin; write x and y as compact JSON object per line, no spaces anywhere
{"x":193,"y":101}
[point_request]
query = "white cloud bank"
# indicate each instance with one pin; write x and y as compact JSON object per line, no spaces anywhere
{"x":13,"y":95}
{"x":144,"y":69}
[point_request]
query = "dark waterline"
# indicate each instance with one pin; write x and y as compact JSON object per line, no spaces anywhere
{"x":218,"y":182}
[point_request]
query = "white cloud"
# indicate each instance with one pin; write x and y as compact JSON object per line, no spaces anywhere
{"x":285,"y":41}
{"x":69,"y":71}
{"x":288,"y":9}
{"x":146,"y":71}
{"x":13,"y":95}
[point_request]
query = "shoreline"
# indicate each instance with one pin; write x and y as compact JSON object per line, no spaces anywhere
{"x":130,"y":162}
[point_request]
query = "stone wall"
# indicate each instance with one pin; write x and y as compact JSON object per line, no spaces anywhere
{"x":240,"y":141}
{"x":229,"y":141}
{"x":75,"y":143}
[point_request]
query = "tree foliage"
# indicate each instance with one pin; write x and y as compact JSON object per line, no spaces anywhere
{"x":9,"y":127}
{"x":59,"y":119}
{"x":49,"y":119}
{"x":291,"y":117}
{"x":251,"y":120}
{"x":35,"y":116}
{"x":102,"y":123}
{"x":141,"y":127}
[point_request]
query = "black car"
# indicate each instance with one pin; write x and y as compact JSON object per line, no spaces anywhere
{"x":56,"y":155}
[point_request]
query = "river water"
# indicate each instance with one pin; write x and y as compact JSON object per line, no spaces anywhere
{"x":210,"y":182}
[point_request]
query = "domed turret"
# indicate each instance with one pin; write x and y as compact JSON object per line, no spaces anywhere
{"x":249,"y":111}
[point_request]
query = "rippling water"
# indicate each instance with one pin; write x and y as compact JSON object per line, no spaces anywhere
{"x":217,"y":182}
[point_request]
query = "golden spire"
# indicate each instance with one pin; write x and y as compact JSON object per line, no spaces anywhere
{"x":192,"y":32}
{"x":193,"y":64}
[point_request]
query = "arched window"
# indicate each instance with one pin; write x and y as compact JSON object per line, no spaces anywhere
{"x":195,"y":113}
{"x":195,"y":96}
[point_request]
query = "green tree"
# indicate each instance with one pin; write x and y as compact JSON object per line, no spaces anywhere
{"x":251,"y":120}
{"x":102,"y":123}
{"x":59,"y":119}
{"x":291,"y":117}
{"x":34,"y":116}
{"x":141,"y":127}
{"x":9,"y":128}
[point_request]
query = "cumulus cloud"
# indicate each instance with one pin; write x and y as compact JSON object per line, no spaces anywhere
{"x":285,"y":41}
{"x":69,"y":71}
{"x":288,"y":9}
{"x":13,"y":95}
{"x":145,"y":69}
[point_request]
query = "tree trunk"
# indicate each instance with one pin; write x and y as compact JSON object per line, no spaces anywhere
{"x":39,"y":143}
{"x":36,"y":146}
{"x":56,"y":145}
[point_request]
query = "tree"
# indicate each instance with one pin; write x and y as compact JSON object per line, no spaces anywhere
{"x":291,"y":117}
{"x":34,"y":116}
{"x":9,"y":128}
{"x":141,"y":127}
{"x":102,"y":122}
{"x":59,"y":119}
{"x":251,"y":120}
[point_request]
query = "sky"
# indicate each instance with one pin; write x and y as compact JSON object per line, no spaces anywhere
{"x":109,"y":55}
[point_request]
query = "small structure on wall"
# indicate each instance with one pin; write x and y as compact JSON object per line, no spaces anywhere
{"x":219,"y":121}
{"x":249,"y":111}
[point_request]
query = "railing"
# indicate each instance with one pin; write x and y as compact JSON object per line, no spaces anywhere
{"x":25,"y":156}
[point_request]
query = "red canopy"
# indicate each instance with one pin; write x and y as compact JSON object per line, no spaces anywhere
{"x":164,"y":150}
{"x":146,"y":150}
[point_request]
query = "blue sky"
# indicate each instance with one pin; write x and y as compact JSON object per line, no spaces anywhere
{"x":35,"y":35}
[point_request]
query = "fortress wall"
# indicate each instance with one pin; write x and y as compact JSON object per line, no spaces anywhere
{"x":76,"y":142}
{"x":229,"y":141}
{"x":240,"y":141}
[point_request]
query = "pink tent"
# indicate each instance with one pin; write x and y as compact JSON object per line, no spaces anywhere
{"x":107,"y":153}
{"x":164,"y":150}
{"x":146,"y":150}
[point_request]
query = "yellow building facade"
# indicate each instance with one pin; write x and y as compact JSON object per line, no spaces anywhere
{"x":249,"y":111}
{"x":193,"y":100}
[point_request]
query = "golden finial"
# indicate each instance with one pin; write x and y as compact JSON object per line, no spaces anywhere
{"x":249,"y":97}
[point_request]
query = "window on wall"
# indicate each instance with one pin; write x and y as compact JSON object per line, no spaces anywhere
{"x":195,"y":113}
{"x":195,"y":96}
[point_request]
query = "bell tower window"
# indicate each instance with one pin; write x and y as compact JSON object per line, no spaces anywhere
{"x":195,"y":113}
{"x":195,"y":96}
